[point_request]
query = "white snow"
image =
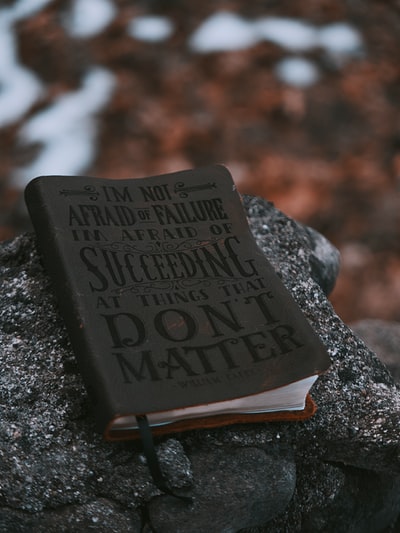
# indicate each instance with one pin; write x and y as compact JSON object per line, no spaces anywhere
{"x":67,"y":129}
{"x":223,"y":31}
{"x":297,"y":72}
{"x":19,"y":87}
{"x":70,"y":108}
{"x":150,"y":28}
{"x":290,"y":34}
{"x":89,"y":17}
{"x":227,"y":31}
{"x":8,"y":53}
{"x":67,"y":154}
{"x":340,"y":39}
{"x":25,"y":8}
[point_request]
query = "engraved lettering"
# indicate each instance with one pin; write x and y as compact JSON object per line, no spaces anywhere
{"x":193,"y":211}
{"x":114,"y":194}
{"x":229,"y":319}
{"x":93,"y":269}
{"x":176,"y":362}
{"x":96,"y":215}
{"x":175,"y":325}
{"x":155,"y":192}
{"x":146,"y":368}
{"x":284,"y":336}
{"x":260,"y":300}
{"x":118,"y":269}
{"x":117,"y":325}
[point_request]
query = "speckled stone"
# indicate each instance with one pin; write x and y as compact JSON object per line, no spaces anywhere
{"x":384,"y":338}
{"x":234,"y":488}
{"x":333,"y":472}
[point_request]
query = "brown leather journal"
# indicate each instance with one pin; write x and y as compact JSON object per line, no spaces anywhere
{"x":172,"y":309}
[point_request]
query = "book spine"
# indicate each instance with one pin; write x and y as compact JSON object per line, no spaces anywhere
{"x":55,"y":260}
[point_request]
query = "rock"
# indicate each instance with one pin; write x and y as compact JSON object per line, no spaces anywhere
{"x":384,"y":339}
{"x":237,"y":497}
{"x":102,"y":516}
{"x":338,"y":471}
{"x":332,"y":497}
{"x":324,"y":260}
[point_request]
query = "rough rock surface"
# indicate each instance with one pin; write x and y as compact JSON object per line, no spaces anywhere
{"x":384,"y":338}
{"x":339,"y":471}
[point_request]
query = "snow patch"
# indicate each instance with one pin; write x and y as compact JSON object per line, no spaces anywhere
{"x":26,"y":8}
{"x":89,"y":17}
{"x":67,"y":129}
{"x":19,"y":87}
{"x":150,"y":28}
{"x":288,"y":33}
{"x":297,"y":72}
{"x":340,"y":39}
{"x":228,"y":31}
{"x":223,"y":32}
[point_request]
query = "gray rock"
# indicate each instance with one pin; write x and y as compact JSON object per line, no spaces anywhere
{"x":231,"y":489}
{"x":101,"y":515}
{"x":384,"y":339}
{"x":333,"y":497}
{"x":56,"y":472}
{"x":324,"y":260}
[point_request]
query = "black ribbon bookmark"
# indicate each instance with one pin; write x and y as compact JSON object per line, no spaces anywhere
{"x":152,"y":459}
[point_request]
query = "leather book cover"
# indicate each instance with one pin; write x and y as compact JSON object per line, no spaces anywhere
{"x":167,"y":298}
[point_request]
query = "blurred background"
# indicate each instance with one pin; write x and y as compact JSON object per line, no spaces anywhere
{"x":300,"y":100}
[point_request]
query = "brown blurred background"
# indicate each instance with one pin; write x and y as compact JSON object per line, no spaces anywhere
{"x":325,"y":149}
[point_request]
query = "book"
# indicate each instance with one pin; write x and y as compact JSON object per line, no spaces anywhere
{"x":173,"y":311}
